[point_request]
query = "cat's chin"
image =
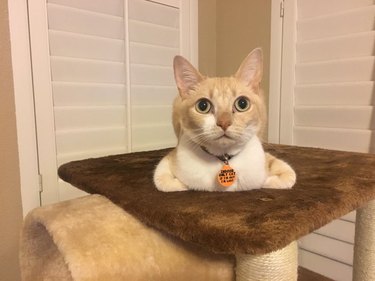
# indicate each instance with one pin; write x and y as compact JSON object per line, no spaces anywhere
{"x":225,"y":145}
{"x":225,"y":141}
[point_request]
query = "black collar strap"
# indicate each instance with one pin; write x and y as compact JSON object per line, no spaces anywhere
{"x":224,"y":157}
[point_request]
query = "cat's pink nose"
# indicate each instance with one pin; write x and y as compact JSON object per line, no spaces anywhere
{"x":224,"y":123}
{"x":224,"y":120}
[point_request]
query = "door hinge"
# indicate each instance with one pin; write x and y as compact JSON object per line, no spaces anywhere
{"x":40,"y":182}
{"x":282,"y":8}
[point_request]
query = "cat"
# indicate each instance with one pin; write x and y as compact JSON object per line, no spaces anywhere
{"x":218,"y":122}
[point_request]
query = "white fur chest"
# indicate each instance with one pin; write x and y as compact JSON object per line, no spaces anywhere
{"x":199,"y":170}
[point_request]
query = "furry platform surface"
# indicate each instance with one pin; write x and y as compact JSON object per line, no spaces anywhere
{"x":329,"y":185}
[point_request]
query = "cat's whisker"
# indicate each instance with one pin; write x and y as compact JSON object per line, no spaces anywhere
{"x":198,"y":139}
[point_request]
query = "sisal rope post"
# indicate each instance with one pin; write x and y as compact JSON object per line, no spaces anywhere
{"x":364,"y":247}
{"x":280,"y":265}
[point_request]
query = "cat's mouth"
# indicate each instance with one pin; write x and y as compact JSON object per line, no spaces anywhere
{"x":224,"y":136}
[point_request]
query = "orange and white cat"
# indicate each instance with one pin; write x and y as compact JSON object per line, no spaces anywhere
{"x":217,"y":122}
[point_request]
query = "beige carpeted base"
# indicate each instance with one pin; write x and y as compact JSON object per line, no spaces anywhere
{"x":69,"y":241}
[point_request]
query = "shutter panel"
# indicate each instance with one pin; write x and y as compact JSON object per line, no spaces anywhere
{"x":335,"y":24}
{"x":87,"y":55}
{"x":322,"y":245}
{"x":111,"y":77}
{"x":334,"y":74}
{"x":335,"y":94}
{"x":341,"y":229}
{"x":334,"y":106}
{"x":88,"y":84}
{"x":154,"y":34}
{"x":325,"y":266}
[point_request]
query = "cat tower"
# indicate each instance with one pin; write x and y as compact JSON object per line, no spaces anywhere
{"x":128,"y":230}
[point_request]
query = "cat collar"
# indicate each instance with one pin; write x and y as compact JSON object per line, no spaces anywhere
{"x":227,"y":175}
{"x":223,"y":158}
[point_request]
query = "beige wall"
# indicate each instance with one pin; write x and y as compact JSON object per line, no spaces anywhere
{"x":228,"y":31}
{"x":242,"y":25}
{"x":207,"y":37}
{"x":10,"y":197}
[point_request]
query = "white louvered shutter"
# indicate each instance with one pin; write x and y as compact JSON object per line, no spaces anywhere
{"x":335,"y":75}
{"x":111,"y":79}
{"x":331,"y":106}
{"x":154,"y":36}
{"x":88,"y":73}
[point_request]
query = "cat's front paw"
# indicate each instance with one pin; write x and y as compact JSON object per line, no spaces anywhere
{"x":277,"y":182}
{"x":165,"y":180}
{"x":280,"y":174}
{"x":171,"y":185}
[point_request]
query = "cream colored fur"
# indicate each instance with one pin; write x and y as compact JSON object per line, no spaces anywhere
{"x":91,"y":239}
{"x":222,"y":130}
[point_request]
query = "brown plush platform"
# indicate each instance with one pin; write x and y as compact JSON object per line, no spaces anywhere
{"x":329,"y":184}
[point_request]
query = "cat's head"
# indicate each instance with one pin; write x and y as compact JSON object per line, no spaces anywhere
{"x":220,"y":114}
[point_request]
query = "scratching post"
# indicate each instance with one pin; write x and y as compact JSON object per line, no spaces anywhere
{"x":364,"y":247}
{"x":280,"y":265}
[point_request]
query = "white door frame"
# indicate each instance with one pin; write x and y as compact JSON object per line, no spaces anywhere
{"x":24,"y":103}
{"x":282,"y":74}
{"x":275,"y":71}
{"x":43,"y":98}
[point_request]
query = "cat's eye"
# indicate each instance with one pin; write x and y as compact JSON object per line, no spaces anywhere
{"x":203,"y":106}
{"x":242,"y":104}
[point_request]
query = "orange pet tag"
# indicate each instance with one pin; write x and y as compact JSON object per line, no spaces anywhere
{"x":227,"y":176}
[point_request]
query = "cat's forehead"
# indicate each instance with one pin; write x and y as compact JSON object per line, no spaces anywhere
{"x":223,"y":86}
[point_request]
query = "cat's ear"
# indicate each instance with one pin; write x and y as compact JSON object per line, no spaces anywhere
{"x":185,"y":74}
{"x":251,"y":69}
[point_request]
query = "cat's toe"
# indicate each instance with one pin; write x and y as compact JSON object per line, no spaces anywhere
{"x":277,"y":182}
{"x":172,"y":186}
